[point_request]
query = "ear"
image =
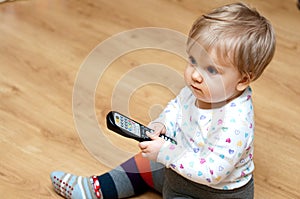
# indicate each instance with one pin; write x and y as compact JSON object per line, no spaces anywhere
{"x":243,"y":83}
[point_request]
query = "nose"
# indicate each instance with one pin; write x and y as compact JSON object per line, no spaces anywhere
{"x":196,"y":76}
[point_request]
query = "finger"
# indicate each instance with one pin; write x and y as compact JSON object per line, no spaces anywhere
{"x":151,"y":135}
{"x":144,"y":145}
{"x":163,"y":131}
{"x":156,"y":126}
{"x":144,"y":155}
{"x":146,"y":151}
{"x":154,"y":133}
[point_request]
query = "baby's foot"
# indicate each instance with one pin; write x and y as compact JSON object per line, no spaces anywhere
{"x":75,"y":187}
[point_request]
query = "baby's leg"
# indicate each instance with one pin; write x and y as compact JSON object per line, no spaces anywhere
{"x":132,"y":177}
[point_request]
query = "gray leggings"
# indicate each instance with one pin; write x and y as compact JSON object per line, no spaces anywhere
{"x":178,"y":187}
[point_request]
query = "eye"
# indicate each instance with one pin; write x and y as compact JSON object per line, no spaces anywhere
{"x":212,"y":70}
{"x":192,"y":60}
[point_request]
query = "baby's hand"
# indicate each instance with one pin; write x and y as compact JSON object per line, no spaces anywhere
{"x":158,"y":128}
{"x":150,"y":149}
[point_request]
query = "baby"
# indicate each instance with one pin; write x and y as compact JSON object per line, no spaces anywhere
{"x":211,"y":119}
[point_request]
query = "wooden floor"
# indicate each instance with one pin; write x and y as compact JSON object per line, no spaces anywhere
{"x":45,"y":44}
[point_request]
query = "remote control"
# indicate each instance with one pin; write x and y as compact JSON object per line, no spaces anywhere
{"x":127,"y":127}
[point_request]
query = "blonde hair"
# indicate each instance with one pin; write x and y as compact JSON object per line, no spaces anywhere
{"x":239,"y":33}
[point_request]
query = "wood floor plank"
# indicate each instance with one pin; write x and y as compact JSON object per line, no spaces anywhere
{"x":44,"y":44}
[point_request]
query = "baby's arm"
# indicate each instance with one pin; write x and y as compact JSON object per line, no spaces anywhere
{"x":150,"y":149}
{"x":170,"y":114}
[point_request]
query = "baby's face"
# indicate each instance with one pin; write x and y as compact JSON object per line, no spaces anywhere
{"x":212,"y":79}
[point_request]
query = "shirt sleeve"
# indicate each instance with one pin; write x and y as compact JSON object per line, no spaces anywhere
{"x":171,"y":114}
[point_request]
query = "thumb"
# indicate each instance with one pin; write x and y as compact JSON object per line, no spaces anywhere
{"x":143,"y":145}
{"x":151,"y":135}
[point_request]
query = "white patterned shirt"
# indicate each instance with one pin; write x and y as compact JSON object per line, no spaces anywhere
{"x":214,"y":146}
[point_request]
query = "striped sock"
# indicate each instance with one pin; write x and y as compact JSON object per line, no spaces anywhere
{"x":127,"y":179}
{"x":74,"y":187}
{"x":131,"y":178}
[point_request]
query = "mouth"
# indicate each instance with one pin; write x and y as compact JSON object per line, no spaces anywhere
{"x":195,"y":88}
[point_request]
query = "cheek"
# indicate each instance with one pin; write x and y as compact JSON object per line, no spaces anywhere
{"x":216,"y":92}
{"x":217,"y":89}
{"x":222,"y":91}
{"x":187,"y":75}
